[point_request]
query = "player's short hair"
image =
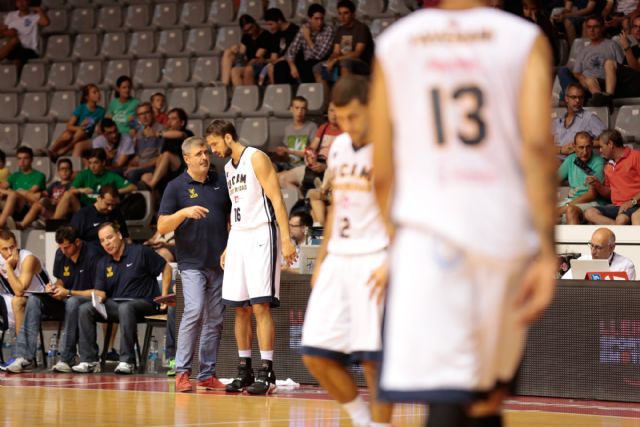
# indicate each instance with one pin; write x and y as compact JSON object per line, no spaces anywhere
{"x":66,"y":233}
{"x":613,"y":136}
{"x":348,"y":4}
{"x":274,"y":14}
{"x":191,"y":141}
{"x":6,"y":234}
{"x":315,"y":8}
{"x":221,"y":128}
{"x":349,"y":88}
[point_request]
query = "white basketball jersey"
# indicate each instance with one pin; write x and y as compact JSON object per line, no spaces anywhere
{"x":453,"y":81}
{"x":357,"y":226}
{"x":38,"y":281}
{"x":250,"y":207}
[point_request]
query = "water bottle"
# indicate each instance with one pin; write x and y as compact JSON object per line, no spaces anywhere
{"x":164,"y":352}
{"x":152,"y":363}
{"x":9,"y":345}
{"x":52,"y":354}
{"x":39,"y":352}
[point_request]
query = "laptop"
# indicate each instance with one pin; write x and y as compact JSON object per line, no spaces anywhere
{"x":307,"y":258}
{"x":580,"y":267}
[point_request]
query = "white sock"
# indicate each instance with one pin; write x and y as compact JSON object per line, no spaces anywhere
{"x":245,"y":354}
{"x":266,"y":355}
{"x":358,"y":411}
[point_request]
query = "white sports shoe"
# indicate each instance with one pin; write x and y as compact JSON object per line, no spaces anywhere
{"x":20,"y":365}
{"x":61,"y":367}
{"x":86,"y":367}
{"x":124,"y":368}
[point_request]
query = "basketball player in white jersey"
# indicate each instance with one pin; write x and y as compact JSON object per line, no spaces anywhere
{"x":251,"y":261}
{"x":343,"y":319}
{"x":465,"y":171}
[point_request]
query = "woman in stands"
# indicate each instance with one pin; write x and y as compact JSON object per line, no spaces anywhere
{"x":82,"y":123}
{"x":122,"y":108}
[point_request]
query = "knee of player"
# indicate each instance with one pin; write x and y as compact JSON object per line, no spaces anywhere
{"x":315,"y":364}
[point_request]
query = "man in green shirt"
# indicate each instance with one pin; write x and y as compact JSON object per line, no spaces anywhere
{"x":86,"y":185}
{"x":24,"y":187}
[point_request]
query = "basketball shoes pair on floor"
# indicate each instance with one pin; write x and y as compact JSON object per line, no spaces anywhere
{"x":263,"y":383}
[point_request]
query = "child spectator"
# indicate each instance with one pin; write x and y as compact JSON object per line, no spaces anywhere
{"x":159,"y":104}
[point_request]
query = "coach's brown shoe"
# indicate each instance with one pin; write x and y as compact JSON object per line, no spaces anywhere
{"x":183,"y":384}
{"x":211,"y":383}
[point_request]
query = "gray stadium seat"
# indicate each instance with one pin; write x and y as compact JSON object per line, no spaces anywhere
{"x":86,"y":46}
{"x":42,"y":164}
{"x":212,"y":101}
{"x":227,"y":37}
{"x":628,"y":122}
{"x":137,"y":16}
{"x":398,"y":8}
{"x":116,"y":68}
{"x":193,"y":13}
{"x":106,"y":2}
{"x":301,"y":8}
{"x":254,"y":132}
{"x":9,"y":110}
{"x":58,"y":21}
{"x":145,"y":94}
{"x":60,"y":75}
{"x":290,"y":197}
{"x":171,"y":42}
{"x":58,"y":128}
{"x":58,"y":47}
{"x":276,"y":101}
{"x":251,"y":7}
{"x":175,"y":71}
{"x":79,"y":3}
{"x":314,"y":93}
{"x":165,"y":15}
{"x":200,"y":41}
{"x":62,"y":105}
{"x":82,"y":20}
{"x":147,"y":71}
{"x":378,"y":25}
{"x":619,"y":102}
{"x":34,"y":106}
{"x":557,"y":112}
{"x":89,"y":72}
{"x":245,"y":99}
{"x":369,"y":8}
{"x":114,"y":45}
{"x":8,"y":76}
{"x":35,"y":135}
{"x":221,"y":12}
{"x":110,"y":18}
{"x":11,"y":164}
{"x":9,"y":133}
{"x":142,"y":43}
{"x":602,"y":113}
{"x":50,"y":4}
{"x":332,"y":9}
{"x":196,"y":126}
{"x":205,"y":70}
{"x":182,"y":97}
{"x":36,"y":242}
{"x":33,"y":76}
{"x":286,"y":6}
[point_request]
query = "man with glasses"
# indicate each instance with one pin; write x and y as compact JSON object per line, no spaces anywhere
{"x":575,"y":120}
{"x":576,"y":168}
{"x":602,"y":245}
{"x":299,"y":223}
{"x":148,"y":144}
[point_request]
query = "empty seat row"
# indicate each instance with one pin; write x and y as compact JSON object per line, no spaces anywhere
{"x":37,"y":106}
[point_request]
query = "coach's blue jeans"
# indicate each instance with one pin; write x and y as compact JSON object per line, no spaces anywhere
{"x":202,"y":290}
{"x":27,"y":341}
{"x":68,"y":345}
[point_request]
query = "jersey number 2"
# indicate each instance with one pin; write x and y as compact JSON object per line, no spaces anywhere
{"x":475,"y":129}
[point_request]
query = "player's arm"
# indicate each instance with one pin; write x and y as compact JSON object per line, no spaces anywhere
{"x":269,"y":181}
{"x":30,"y":266}
{"x":540,"y":175}
{"x":381,"y":136}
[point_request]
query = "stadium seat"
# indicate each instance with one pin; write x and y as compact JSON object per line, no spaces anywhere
{"x":398,"y":8}
{"x":221,"y":12}
{"x":147,"y":71}
{"x":86,"y":46}
{"x":165,"y":15}
{"x":369,"y":8}
{"x":227,"y":37}
{"x":602,"y":113}
{"x":89,"y":72}
{"x":205,"y":70}
{"x":378,"y":25}
{"x":35,"y":135}
{"x":196,"y":126}
{"x":314,"y":93}
{"x":110,"y":18}
{"x":9,"y":133}
{"x":60,"y":75}
{"x":79,"y":3}
{"x":82,"y":20}
{"x":175,"y":71}
{"x":619,"y":102}
{"x":58,"y":47}
{"x":245,"y":99}
{"x":557,"y":112}
{"x":8,"y":77}
{"x":182,"y":97}
{"x":254,"y":132}
{"x":137,"y":16}
{"x":62,"y":105}
{"x":212,"y":101}
{"x":142,"y":44}
{"x":145,"y":94}
{"x":42,"y":164}
{"x":114,"y":45}
{"x":332,"y":9}
{"x":116,"y":68}
{"x":193,"y":13}
{"x":50,"y":4}
{"x":171,"y":42}
{"x":58,"y":128}
{"x":628,"y":122}
{"x":200,"y":41}
{"x":33,"y":76}
{"x":277,"y":99}
{"x":290,"y":197}
{"x":286,"y":6}
{"x":555,"y":91}
{"x":58,"y":21}
{"x":251,"y":7}
{"x":34,"y":106}
{"x":10,"y":107}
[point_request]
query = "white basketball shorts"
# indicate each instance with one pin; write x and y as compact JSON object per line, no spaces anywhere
{"x":450,"y":329}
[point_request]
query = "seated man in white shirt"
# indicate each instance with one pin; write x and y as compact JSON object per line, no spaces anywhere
{"x":602,"y":244}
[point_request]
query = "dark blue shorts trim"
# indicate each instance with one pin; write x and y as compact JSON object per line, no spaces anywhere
{"x":272,"y":301}
{"x":327,"y":354}
{"x":230,"y":303}
{"x":430,"y":396}
{"x":366,"y":356}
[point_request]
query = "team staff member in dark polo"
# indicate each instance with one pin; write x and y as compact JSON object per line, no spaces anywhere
{"x":105,"y":209}
{"x":74,"y":268}
{"x":196,"y":206}
{"x":126,"y":283}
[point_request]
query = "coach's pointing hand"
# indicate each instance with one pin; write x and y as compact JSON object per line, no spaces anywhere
{"x":195,"y":212}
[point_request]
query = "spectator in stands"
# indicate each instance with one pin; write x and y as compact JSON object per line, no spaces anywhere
{"x":352,"y":48}
{"x":621,"y":184}
{"x":617,"y":14}
{"x":82,"y":123}
{"x":126,"y":282}
{"x":25,"y":187}
{"x":573,"y":16}
{"x":300,"y":223}
{"x":105,"y":209}
{"x":241,"y":64}
{"x":74,"y":269}
{"x":158,"y":102}
{"x":122,"y":107}
{"x":148,"y":145}
{"x":315,"y":157}
{"x":534,"y":12}
{"x":46,"y":206}
{"x":602,"y":245}
{"x":575,"y":120}
{"x":627,"y":75}
{"x":576,"y":168}
{"x":170,"y":164}
{"x":591,"y":68}
{"x":117,"y":146}
{"x":630,"y":47}
{"x":312,"y":44}
{"x":319,"y":199}
{"x":297,"y":136}
{"x":21,"y":29}
{"x":87,"y":183}
{"x":282,"y":35}
{"x":4,"y":170}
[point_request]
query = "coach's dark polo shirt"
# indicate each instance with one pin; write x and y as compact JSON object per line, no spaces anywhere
{"x":80,"y":275}
{"x":134,"y":276}
{"x":199,"y":243}
{"x":88,"y":219}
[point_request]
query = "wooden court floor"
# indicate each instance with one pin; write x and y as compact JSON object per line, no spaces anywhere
{"x":41,"y":399}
